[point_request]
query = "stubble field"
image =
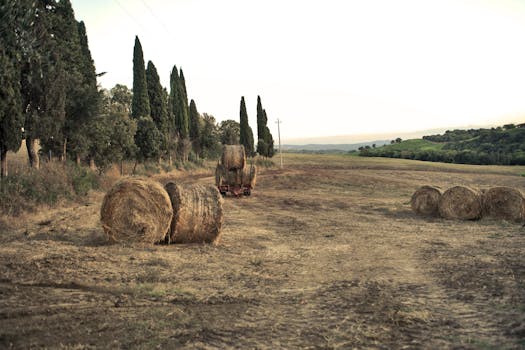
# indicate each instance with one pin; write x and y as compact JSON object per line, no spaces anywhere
{"x":326,"y":253}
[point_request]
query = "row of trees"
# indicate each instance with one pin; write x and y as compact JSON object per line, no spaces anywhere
{"x":49,"y":90}
{"x":50,"y":97}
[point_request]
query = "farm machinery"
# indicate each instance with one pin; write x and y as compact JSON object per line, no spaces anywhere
{"x":232,"y":174}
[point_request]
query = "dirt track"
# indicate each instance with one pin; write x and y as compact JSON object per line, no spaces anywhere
{"x":325,"y":254}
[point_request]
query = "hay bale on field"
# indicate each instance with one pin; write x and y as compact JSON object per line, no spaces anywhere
{"x":197,"y":213}
{"x":425,"y":201}
{"x":233,"y":157}
{"x":504,"y":203}
{"x":249,"y":176}
{"x":233,"y":177}
{"x":136,"y":210}
{"x":460,"y":202}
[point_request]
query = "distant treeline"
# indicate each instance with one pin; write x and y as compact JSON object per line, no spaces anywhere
{"x":498,"y":146}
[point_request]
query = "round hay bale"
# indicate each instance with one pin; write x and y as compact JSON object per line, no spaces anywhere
{"x":233,"y":157}
{"x":425,"y":201}
{"x":136,"y":210}
{"x":249,"y":176}
{"x":460,"y":202}
{"x":197,"y":213}
{"x":504,"y":203}
{"x":233,"y":177}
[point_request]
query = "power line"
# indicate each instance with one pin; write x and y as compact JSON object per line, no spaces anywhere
{"x":130,"y":15}
{"x":159,"y":20}
{"x":279,"y":133}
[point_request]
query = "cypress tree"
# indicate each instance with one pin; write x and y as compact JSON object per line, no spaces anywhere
{"x":147,"y":139}
{"x":157,"y":102}
{"x":140,"y":104}
{"x":88,"y":103}
{"x":78,"y":96}
{"x":184,"y":109}
{"x":11,"y":117}
{"x":268,"y":138}
{"x":178,"y":105}
{"x":195,"y":127}
{"x":265,"y":139}
{"x":43,"y":80}
{"x":261,"y":122}
{"x":246,"y":133}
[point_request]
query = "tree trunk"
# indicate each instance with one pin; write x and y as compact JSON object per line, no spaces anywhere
{"x":32,"y":154}
{"x":92,"y":164}
{"x":3,"y":163}
{"x":121,"y":167}
{"x":78,"y":160}
{"x":64,"y":150}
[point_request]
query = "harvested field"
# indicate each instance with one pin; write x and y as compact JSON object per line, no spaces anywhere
{"x":326,"y":253}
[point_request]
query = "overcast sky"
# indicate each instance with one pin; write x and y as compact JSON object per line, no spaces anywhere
{"x":330,"y":67}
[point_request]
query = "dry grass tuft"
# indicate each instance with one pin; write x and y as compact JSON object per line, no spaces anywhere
{"x":197,"y":213}
{"x":460,"y":202}
{"x":505,"y":203}
{"x":136,"y":210}
{"x":425,"y":201}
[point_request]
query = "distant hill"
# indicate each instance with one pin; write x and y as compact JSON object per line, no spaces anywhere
{"x":332,"y":148}
{"x":502,"y":145}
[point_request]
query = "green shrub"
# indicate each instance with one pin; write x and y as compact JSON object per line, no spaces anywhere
{"x":24,"y":191}
{"x":84,"y":180}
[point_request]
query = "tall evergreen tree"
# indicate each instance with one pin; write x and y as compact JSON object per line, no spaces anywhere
{"x":11,"y":117}
{"x":246,"y":133}
{"x":268,"y":138}
{"x":86,"y":114}
{"x":78,"y":103}
{"x":264,"y":137}
{"x":178,"y":104}
{"x":158,"y":108}
{"x":158,"y":104}
{"x":147,"y":139}
{"x":184,"y":108}
{"x":140,"y":106}
{"x":195,"y":127}
{"x":261,"y":122}
{"x":43,"y":80}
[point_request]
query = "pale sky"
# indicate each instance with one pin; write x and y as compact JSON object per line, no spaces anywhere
{"x":330,"y":67}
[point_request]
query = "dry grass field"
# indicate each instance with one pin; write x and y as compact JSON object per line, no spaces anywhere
{"x":326,"y":253}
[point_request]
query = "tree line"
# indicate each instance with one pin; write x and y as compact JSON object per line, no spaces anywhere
{"x":496,"y":146}
{"x":50,"y":97}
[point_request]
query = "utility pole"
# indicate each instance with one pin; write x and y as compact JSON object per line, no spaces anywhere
{"x":279,"y":133}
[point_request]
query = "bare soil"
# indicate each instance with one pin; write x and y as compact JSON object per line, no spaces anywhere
{"x":326,"y":253}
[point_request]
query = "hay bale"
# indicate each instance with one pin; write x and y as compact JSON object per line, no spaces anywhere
{"x":233,"y":157}
{"x":249,"y":176}
{"x":136,"y":210}
{"x":233,"y":177}
{"x":425,"y":201}
{"x":460,"y":202}
{"x":197,"y":213}
{"x":504,"y":203}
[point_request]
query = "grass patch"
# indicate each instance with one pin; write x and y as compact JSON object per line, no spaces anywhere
{"x":26,"y":190}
